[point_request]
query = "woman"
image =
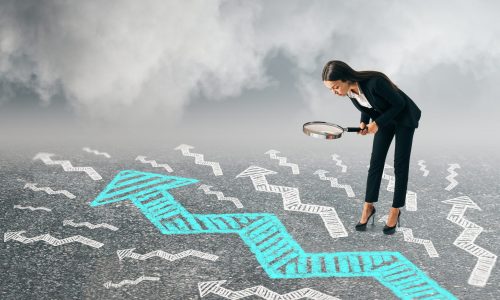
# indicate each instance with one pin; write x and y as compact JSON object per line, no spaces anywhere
{"x":393,"y":113}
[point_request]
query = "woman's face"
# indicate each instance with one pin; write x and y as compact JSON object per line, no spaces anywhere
{"x":338,"y":87}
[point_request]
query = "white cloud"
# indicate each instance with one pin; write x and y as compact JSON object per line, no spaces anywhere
{"x":130,"y":59}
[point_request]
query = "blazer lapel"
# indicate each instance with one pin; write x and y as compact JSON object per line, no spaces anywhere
{"x":368,"y":94}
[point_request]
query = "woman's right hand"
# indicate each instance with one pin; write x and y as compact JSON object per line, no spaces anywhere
{"x":364,"y":130}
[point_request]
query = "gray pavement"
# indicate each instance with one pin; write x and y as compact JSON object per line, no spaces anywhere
{"x":39,"y":270}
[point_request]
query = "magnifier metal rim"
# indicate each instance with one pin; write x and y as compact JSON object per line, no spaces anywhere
{"x":328,"y":136}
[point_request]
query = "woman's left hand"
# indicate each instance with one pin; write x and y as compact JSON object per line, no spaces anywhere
{"x":372,"y":127}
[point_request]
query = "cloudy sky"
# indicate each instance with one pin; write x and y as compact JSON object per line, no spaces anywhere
{"x":249,"y":67}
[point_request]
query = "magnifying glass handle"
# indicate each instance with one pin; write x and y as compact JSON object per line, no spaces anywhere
{"x":352,"y":129}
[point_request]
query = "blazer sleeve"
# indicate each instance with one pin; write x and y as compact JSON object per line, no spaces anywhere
{"x":384,"y":89}
{"x":365,"y":118}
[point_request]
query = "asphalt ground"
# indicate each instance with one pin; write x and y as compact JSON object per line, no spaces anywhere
{"x":78,"y":271}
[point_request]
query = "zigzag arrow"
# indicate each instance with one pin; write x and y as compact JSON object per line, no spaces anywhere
{"x":465,"y":241}
{"x":32,"y":186}
{"x":408,"y":237}
{"x":32,"y":208}
{"x":66,"y":165}
{"x":451,"y":176}
{"x":87,"y":149}
{"x":423,"y":167}
{"x":282,"y":161}
{"x":292,"y":202}
{"x":153,"y":163}
{"x":220,"y":195}
{"x":335,"y":183}
{"x":214,"y":287}
{"x":17,"y":236}
{"x":274,"y":248}
{"x":199,"y":160}
{"x":165,"y":255}
{"x":335,"y":157}
{"x":89,"y":225}
{"x":130,"y":282}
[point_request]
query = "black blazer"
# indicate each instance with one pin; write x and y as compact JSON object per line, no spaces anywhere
{"x":388,"y":105}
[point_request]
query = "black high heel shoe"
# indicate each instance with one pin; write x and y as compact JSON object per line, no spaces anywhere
{"x":362,"y":226}
{"x":391,"y":229}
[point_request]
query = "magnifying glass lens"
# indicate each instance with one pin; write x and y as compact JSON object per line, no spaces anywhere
{"x":323,"y":128}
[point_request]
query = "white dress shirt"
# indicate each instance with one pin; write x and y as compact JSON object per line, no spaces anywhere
{"x":361,"y":97}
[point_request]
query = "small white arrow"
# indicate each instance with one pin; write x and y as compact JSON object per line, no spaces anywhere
{"x":153,"y":163}
{"x":220,"y":195}
{"x":282,"y":161}
{"x":334,"y":182}
{"x":199,"y":159}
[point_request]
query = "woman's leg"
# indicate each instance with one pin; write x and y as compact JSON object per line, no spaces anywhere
{"x":381,"y":143}
{"x":404,"y":140}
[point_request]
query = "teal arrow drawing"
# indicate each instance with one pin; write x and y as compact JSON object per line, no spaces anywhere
{"x":274,"y":248}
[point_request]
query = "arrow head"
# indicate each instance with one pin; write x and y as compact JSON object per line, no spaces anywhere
{"x":204,"y":186}
{"x":30,"y":185}
{"x":129,"y":184}
{"x":463,"y":200}
{"x":140,"y":157}
{"x":454,"y":165}
{"x":320,"y":172}
{"x":272,"y":152}
{"x":121,"y":253}
{"x":253,"y":171}
{"x":11,"y":235}
{"x":183,"y":147}
{"x":207,"y":287}
{"x":42,"y":155}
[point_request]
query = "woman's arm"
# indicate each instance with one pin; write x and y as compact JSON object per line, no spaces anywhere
{"x":384,"y":89}
{"x":365,"y":118}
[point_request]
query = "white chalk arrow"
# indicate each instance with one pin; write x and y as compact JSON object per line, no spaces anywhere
{"x":451,"y":176}
{"x":153,"y":163}
{"x":334,"y":182}
{"x":408,"y":237}
{"x":423,"y":167}
{"x":292,"y":202}
{"x":32,"y":208}
{"x":214,"y":287}
{"x":89,"y":225}
{"x":199,"y":160}
{"x":48,"y":190}
{"x":17,"y":236}
{"x":335,"y":157}
{"x":109,"y":284}
{"x":465,"y":241}
{"x":66,"y":165}
{"x":87,"y":149}
{"x":282,"y":161}
{"x":220,"y":195}
{"x":165,"y":255}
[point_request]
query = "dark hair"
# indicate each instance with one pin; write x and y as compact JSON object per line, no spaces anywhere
{"x":339,"y":70}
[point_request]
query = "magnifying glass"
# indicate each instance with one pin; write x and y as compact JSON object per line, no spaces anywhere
{"x":325,"y":130}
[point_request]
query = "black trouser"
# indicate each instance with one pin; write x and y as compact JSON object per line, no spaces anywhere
{"x":381,"y":142}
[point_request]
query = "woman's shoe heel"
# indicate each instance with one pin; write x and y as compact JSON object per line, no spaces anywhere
{"x":362,"y":226}
{"x":391,"y":229}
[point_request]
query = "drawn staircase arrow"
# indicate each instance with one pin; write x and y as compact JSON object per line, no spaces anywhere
{"x":267,"y":238}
